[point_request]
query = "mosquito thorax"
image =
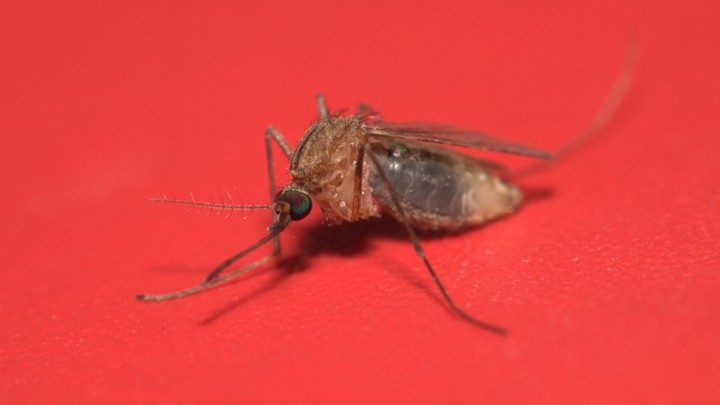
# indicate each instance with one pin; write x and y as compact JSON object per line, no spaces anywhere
{"x":327,"y":164}
{"x":293,"y":202}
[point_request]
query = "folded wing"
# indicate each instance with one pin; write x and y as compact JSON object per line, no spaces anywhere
{"x":450,"y":135}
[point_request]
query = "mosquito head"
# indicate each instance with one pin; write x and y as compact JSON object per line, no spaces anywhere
{"x":293,"y":202}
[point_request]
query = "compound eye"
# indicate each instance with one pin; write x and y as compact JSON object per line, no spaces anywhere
{"x":299,"y":202}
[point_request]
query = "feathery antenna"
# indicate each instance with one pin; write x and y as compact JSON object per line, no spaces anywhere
{"x":211,"y":205}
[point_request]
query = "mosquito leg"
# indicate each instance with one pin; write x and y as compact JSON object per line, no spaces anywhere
{"x":421,"y":253}
{"x":204,"y":285}
{"x":609,"y":107}
{"x":270,"y":135}
{"x":232,"y":259}
{"x":322,"y":107}
{"x":211,"y":281}
{"x":364,"y":109}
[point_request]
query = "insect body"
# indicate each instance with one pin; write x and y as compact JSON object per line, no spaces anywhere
{"x":358,"y":166}
{"x":439,"y":189}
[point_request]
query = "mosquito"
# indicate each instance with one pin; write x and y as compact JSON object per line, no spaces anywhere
{"x":360,"y":166}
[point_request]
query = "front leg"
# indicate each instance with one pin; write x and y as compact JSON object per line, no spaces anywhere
{"x":322,"y":107}
{"x":270,"y":135}
{"x":367,"y":113}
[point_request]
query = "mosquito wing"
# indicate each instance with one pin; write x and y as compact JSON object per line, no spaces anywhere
{"x":450,"y":135}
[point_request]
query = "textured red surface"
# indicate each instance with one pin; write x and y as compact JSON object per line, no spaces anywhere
{"x":607,"y":278}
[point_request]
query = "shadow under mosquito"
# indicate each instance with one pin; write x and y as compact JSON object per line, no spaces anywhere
{"x":350,"y":240}
{"x":280,"y":278}
{"x":353,"y":239}
{"x":533,"y":194}
{"x":318,"y":239}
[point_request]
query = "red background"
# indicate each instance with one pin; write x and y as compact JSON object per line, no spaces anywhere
{"x":606,"y":278}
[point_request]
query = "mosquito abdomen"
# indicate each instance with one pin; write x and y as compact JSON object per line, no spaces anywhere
{"x":440,"y":189}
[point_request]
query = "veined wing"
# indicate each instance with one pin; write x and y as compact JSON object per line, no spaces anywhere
{"x":450,"y":135}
